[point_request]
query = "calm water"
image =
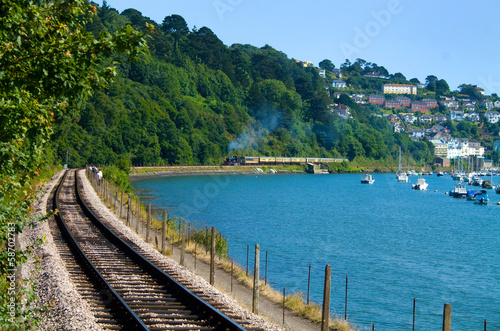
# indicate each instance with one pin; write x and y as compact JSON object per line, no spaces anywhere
{"x":394,"y":243}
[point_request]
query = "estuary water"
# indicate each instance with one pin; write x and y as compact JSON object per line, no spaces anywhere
{"x":393,"y":243}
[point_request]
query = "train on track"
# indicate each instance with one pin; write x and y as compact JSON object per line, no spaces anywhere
{"x":271,"y":160}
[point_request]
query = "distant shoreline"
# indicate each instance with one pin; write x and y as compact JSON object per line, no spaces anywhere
{"x":138,"y":173}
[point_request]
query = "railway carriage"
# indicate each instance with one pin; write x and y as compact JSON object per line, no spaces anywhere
{"x":271,"y":160}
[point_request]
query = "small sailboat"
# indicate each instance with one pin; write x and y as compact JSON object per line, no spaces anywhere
{"x":401,"y":176}
{"x":368,"y":179}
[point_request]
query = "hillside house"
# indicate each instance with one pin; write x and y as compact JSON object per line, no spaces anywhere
{"x":399,"y":89}
{"x":405,"y":101}
{"x":496,"y":104}
{"x":343,"y":111}
{"x":393,"y":118}
{"x":409,"y":118}
{"x":439,"y":118}
{"x":469,"y":106}
{"x":492,"y":116}
{"x":451,"y":104}
{"x":487,"y":104}
{"x":393,"y":104}
{"x":440,"y":148}
{"x":417,"y":133}
{"x":338,"y":83}
{"x":419,"y":106}
{"x":425,"y":118}
{"x":473,"y":117}
{"x":359,"y":98}
{"x":396,"y":127}
{"x":322,"y":73}
{"x":475,"y":149}
{"x":376,"y":100}
{"x":442,"y":162}
{"x":457,"y":115}
{"x":431,"y":103}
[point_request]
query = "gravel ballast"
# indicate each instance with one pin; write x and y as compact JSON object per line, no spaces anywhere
{"x":60,"y":305}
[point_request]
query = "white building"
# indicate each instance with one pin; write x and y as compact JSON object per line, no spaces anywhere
{"x":458,"y":148}
{"x":440,"y":148}
{"x":492,"y":116}
{"x":339,"y":83}
{"x":475,"y":149}
{"x":399,"y":89}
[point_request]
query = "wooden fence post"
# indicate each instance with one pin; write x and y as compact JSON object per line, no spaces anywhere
{"x":255,"y":300}
{"x":121,"y":205}
{"x":447,"y":317}
{"x":183,"y":242}
{"x":163,"y":239}
{"x":212,"y":258}
{"x":137,"y":218}
{"x":325,"y":319}
{"x":148,"y":222}
{"x":128,"y":210}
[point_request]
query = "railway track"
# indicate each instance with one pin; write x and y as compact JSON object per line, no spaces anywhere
{"x":125,"y":290}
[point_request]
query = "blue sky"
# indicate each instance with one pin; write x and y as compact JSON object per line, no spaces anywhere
{"x":458,"y":41}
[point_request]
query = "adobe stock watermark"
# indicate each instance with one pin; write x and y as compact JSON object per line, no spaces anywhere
{"x":11,"y":276}
{"x":224,"y":6}
{"x":372,"y":29}
{"x":201,"y":198}
{"x":489,"y":84}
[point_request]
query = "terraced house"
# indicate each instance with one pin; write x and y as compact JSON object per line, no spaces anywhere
{"x":399,"y":89}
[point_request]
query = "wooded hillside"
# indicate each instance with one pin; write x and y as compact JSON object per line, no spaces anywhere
{"x":193,"y":100}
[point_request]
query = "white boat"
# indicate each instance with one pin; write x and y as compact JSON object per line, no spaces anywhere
{"x":477,"y":181}
{"x":401,"y":176}
{"x":368,"y":179}
{"x":497,"y":189}
{"x":460,"y":191}
{"x":420,"y":185}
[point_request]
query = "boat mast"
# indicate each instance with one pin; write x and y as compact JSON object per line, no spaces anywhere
{"x":399,"y":159}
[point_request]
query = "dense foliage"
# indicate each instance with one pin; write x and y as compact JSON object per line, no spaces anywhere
{"x":193,"y":100}
{"x":49,"y":64}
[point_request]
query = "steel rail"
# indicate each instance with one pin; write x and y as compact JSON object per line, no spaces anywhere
{"x":204,"y":310}
{"x":116,"y":303}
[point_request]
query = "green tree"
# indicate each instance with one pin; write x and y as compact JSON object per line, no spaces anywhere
{"x":49,"y":63}
{"x":442,"y":87}
{"x":327,"y":65}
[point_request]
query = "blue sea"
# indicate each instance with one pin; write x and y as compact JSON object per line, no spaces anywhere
{"x":393,"y":244}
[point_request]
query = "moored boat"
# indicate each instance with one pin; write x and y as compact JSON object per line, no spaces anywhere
{"x":481,"y":197}
{"x":401,"y":176}
{"x":440,"y":174}
{"x":477,"y":181}
{"x":497,"y":189}
{"x":487,"y":184}
{"x":368,"y":179}
{"x":420,"y":185}
{"x":460,"y":191}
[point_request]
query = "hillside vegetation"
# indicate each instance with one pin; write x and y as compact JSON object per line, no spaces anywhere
{"x":192,"y":100}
